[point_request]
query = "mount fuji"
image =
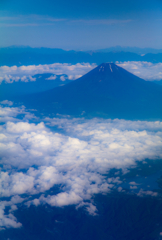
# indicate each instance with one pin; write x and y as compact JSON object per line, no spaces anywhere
{"x":107,"y":91}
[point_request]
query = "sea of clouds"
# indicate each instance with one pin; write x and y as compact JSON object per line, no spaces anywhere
{"x":25,"y":73}
{"x":146,"y":70}
{"x":76,"y":158}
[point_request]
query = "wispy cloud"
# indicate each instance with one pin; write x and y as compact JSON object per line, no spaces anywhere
{"x":40,"y":20}
{"x":20,"y":24}
{"x":28,"y":21}
{"x":101,"y":21}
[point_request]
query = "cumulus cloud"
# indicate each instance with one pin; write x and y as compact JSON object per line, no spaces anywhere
{"x":11,"y":78}
{"x":133,"y":183}
{"x":6,"y":102}
{"x":23,"y":127}
{"x":9,"y":220}
{"x":62,"y":78}
{"x":146,"y":70}
{"x":52,"y":77}
{"x":76,"y":160}
{"x":133,"y":187}
{"x":9,"y":113}
{"x":25,"y":73}
{"x":79,"y":125}
{"x":147,"y":193}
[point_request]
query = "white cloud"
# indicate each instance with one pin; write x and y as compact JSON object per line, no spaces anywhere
{"x":92,"y":209}
{"x":52,"y":77}
{"x":133,"y":187}
{"x":25,"y":73}
{"x":6,"y":102}
{"x":133,"y":183}
{"x":145,"y":70}
{"x":62,"y":78}
{"x":147,"y":193}
{"x":79,"y":125}
{"x":9,"y":220}
{"x":22,"y":127}
{"x":9,"y":113}
{"x":74,"y":161}
{"x":62,"y":199}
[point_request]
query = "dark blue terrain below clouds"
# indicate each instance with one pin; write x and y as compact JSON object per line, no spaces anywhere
{"x":120,"y":216}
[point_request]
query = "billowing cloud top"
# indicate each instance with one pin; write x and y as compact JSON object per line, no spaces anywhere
{"x":76,"y":159}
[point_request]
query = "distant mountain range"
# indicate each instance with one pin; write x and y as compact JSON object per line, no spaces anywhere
{"x":107,"y":91}
{"x":29,"y":56}
{"x":131,"y":49}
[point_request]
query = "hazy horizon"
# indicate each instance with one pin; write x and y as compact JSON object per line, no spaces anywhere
{"x":85,"y":26}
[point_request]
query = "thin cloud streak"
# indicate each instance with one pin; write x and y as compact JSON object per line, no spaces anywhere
{"x":29,"y":21}
{"x":40,"y":20}
{"x":26,"y":24}
{"x":101,"y":21}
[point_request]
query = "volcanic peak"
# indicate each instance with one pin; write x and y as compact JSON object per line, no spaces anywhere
{"x":107,"y":67}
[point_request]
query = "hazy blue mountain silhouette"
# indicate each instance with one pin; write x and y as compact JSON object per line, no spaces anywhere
{"x":130,"y":49}
{"x":28,"y":56}
{"x":107,"y":91}
{"x":33,"y":56}
{"x":158,"y":82}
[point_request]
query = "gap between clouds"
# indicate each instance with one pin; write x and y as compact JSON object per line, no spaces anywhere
{"x":34,"y":159}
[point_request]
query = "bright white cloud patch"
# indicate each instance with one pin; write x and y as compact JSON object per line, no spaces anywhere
{"x":73,"y":161}
{"x":25,"y":73}
{"x":145,"y":70}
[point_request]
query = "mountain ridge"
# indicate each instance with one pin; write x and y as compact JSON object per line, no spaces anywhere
{"x":34,"y":56}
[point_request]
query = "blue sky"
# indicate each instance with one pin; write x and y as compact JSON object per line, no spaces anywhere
{"x":81,"y":25}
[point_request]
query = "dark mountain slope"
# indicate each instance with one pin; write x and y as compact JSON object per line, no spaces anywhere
{"x":107,"y":90}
